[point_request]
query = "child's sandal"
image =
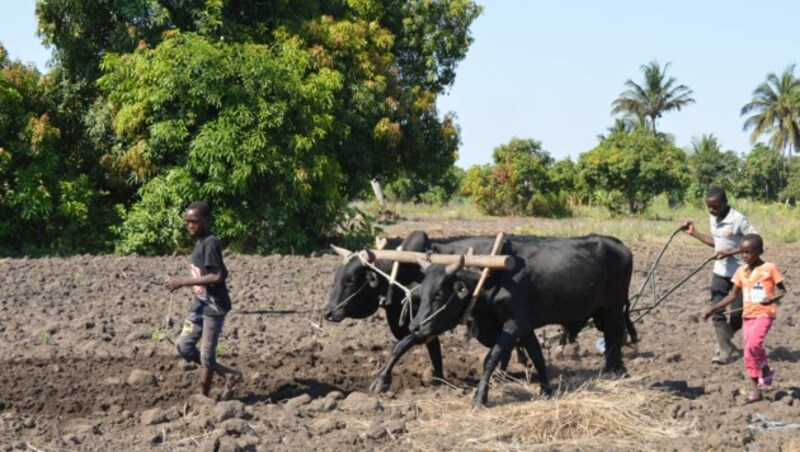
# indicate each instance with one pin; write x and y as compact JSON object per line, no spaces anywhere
{"x":765,"y":380}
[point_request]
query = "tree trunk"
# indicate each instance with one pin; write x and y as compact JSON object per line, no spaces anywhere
{"x":378,"y":190}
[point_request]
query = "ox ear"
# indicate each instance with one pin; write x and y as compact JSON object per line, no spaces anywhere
{"x":424,"y":264}
{"x":451,"y":269}
{"x":380,"y":243}
{"x":372,"y":279}
{"x":461,"y":290}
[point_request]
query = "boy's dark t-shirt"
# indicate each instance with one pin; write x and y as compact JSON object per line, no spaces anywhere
{"x":207,"y":258}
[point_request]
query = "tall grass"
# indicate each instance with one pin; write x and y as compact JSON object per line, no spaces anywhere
{"x":777,"y":223}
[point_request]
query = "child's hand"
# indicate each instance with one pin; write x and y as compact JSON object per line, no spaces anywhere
{"x":707,"y":314}
{"x":725,"y":253}
{"x":173,"y":283}
{"x":688,"y":226}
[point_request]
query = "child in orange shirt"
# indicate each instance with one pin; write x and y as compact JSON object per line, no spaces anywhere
{"x":761,"y":284}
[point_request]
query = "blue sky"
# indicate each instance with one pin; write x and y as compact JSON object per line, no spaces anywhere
{"x":550,"y":70}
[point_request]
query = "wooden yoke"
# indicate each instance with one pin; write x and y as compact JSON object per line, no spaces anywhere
{"x":498,"y":242}
{"x":410,"y":257}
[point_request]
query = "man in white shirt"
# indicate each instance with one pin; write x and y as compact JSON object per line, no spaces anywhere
{"x":728,"y":226}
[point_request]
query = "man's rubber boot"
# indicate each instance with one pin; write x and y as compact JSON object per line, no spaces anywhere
{"x":726,"y":352}
{"x":206,"y":376}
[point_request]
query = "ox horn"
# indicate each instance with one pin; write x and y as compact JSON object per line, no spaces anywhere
{"x":380,"y":243}
{"x":341,"y":251}
{"x":424,"y":264}
{"x":368,"y":256}
{"x":451,"y":269}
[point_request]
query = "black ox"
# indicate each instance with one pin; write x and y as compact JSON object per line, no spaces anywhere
{"x":554,"y":281}
{"x":358,"y":292}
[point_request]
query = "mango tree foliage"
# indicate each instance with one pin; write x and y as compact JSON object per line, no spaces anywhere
{"x":46,"y":204}
{"x":396,"y":57}
{"x":639,"y":165}
{"x":241,"y":125}
{"x":393,"y":59}
{"x":518,"y":183}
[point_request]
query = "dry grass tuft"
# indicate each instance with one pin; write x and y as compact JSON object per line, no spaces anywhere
{"x":598,"y":414}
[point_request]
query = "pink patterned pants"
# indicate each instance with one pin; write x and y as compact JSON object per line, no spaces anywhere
{"x":754,"y":330}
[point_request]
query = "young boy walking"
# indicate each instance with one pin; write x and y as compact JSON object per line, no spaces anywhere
{"x":210,"y":301}
{"x":761,"y":284}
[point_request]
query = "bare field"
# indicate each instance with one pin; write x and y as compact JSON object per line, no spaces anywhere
{"x":88,"y":364}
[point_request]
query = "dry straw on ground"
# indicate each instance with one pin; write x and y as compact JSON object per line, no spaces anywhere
{"x":593,"y":414}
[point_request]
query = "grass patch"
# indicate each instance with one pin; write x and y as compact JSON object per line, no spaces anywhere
{"x":777,"y":223}
{"x":588,"y":414}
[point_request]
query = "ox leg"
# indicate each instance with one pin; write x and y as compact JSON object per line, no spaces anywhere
{"x":502,"y":347}
{"x":384,"y":378}
{"x":613,"y":335}
{"x":435,"y":353}
{"x":534,"y":348}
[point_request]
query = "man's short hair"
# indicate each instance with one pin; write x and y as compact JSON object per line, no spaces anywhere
{"x":717,"y":192}
{"x":201,"y":207}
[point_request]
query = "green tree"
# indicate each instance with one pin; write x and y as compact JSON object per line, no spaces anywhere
{"x":237,"y":124}
{"x":711,"y":166}
{"x":657,"y":95}
{"x":437,"y":191}
{"x":47,"y":203}
{"x":791,"y":192}
{"x":395,"y":57}
{"x":390,"y":60}
{"x":638,"y":165}
{"x":564,"y":175}
{"x":518,"y":183}
{"x":763,"y":173}
{"x":775,"y":111}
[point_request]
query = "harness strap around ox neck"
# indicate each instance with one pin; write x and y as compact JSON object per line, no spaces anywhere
{"x":343,"y":302}
{"x":438,"y":311}
{"x":406,"y":301}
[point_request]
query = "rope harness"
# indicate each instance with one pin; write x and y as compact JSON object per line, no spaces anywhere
{"x":438,"y":311}
{"x":406,"y":300}
{"x":341,"y":303}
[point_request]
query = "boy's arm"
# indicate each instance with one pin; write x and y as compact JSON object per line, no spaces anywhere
{"x":779,"y":293}
{"x":722,"y":303}
{"x":688,"y":228}
{"x":208,"y":279}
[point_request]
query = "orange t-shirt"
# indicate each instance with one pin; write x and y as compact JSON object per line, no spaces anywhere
{"x":756,"y":286}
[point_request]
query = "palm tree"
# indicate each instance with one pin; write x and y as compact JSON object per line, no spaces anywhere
{"x":776,"y":111}
{"x":658,"y":94}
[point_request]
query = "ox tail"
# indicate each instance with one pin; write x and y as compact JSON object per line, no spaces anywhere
{"x":633,"y":336}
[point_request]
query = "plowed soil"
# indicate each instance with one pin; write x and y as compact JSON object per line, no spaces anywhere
{"x":88,"y":363}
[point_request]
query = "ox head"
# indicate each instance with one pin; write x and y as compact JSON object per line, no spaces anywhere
{"x":355,"y":292}
{"x":444,"y":295}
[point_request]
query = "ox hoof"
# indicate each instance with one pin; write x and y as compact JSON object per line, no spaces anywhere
{"x":547,"y":392}
{"x":380,"y":385}
{"x":619,"y":373}
{"x":479,"y":401}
